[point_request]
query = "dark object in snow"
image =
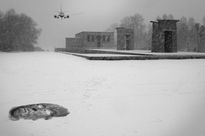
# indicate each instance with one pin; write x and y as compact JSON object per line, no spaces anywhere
{"x":37,"y":111}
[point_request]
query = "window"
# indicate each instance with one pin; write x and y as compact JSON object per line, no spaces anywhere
{"x":93,"y":38}
{"x":103,"y":39}
{"x":88,"y":38}
{"x":108,"y":38}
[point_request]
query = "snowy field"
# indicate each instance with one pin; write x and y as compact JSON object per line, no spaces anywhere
{"x":105,"y":98}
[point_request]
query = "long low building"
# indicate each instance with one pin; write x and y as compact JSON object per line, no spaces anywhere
{"x":121,"y":39}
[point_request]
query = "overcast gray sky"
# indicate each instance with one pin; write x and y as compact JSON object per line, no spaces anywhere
{"x":97,"y":15}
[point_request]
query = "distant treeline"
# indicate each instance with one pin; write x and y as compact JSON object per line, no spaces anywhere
{"x":18,"y":32}
{"x":190,"y":34}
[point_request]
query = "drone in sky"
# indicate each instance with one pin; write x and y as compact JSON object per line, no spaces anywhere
{"x":61,"y":15}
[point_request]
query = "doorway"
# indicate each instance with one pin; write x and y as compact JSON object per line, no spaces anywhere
{"x":127,"y":42}
{"x":168,"y":41}
{"x":98,"y":38}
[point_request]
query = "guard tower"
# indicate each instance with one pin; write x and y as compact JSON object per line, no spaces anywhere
{"x":124,"y":38}
{"x":164,"y":35}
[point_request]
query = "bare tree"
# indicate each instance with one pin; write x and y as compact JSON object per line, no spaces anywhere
{"x":182,"y":34}
{"x":136,"y":22}
{"x":203,"y":21}
{"x":112,"y":27}
{"x":189,"y":32}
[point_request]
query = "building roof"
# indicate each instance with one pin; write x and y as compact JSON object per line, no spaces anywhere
{"x":93,"y":32}
{"x":163,"y":20}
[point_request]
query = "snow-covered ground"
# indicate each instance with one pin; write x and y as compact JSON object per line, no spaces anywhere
{"x":105,"y":98}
